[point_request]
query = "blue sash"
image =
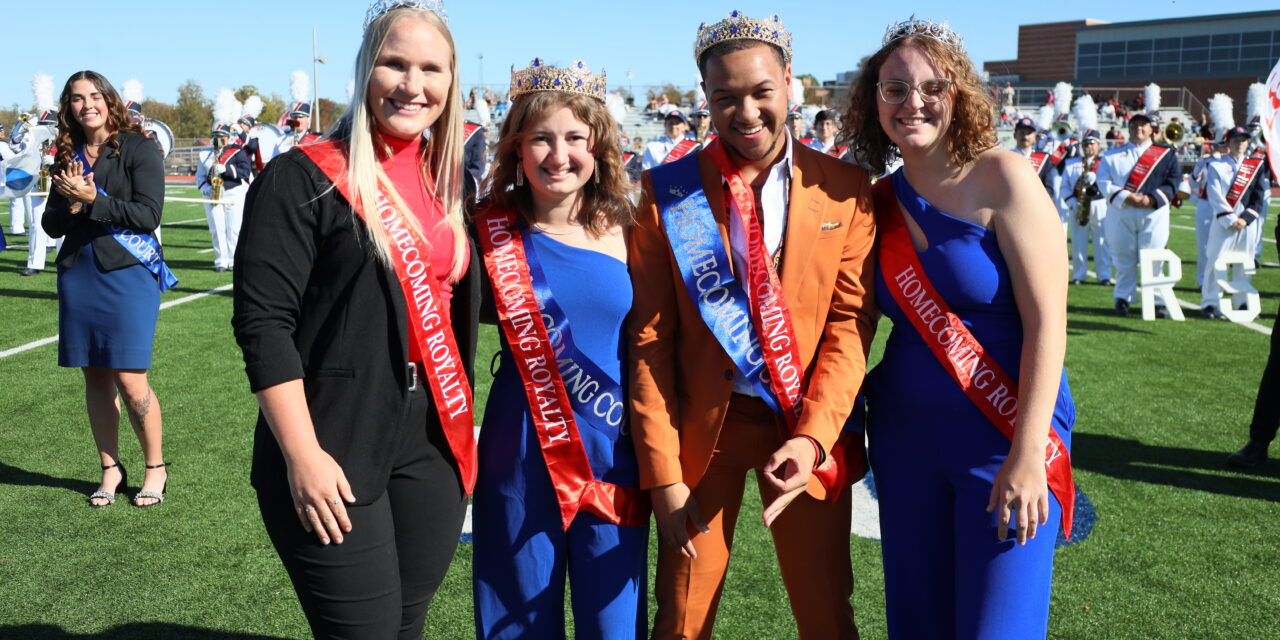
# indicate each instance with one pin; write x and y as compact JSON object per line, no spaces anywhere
{"x":594,"y":395}
{"x":142,"y":246}
{"x":703,"y":261}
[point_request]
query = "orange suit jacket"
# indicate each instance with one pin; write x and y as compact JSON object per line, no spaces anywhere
{"x":682,"y":379}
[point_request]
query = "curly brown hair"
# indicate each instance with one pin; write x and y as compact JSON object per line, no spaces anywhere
{"x":71,"y":134}
{"x":608,"y":201}
{"x":972,"y":129}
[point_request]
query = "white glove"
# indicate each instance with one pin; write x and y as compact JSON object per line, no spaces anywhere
{"x":219,"y":168}
{"x":206,"y":191}
{"x":46,"y":160}
{"x":1090,"y":177}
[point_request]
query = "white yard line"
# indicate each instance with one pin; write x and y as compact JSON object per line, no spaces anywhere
{"x":165,"y":224}
{"x":40,"y":343}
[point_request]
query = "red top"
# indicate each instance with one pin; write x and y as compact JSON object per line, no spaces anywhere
{"x":404,"y":170}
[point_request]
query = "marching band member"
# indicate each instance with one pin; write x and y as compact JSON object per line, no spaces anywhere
{"x":1026,"y":138}
{"x":700,"y":120}
{"x":1086,"y":210}
{"x":475,"y":151}
{"x":796,"y":124}
{"x":1237,"y":193}
{"x":1139,"y":181}
{"x":1220,"y":114}
{"x":1255,"y":98}
{"x":355,"y":306}
{"x":971,"y":387}
{"x":675,"y":144}
{"x":705,"y":414}
{"x":558,"y":490}
{"x":297,"y":119}
{"x":253,"y":106}
{"x":825,"y":126}
{"x":223,"y":174}
{"x":38,"y":241}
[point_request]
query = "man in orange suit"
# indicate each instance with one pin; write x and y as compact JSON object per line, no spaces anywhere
{"x":751,"y":262}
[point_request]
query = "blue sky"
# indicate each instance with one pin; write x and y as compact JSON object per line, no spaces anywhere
{"x":261,"y":41}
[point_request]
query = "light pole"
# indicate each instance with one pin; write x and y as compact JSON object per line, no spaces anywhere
{"x":316,"y":61}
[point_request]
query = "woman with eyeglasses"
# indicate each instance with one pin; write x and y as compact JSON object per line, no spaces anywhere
{"x":969,"y":412}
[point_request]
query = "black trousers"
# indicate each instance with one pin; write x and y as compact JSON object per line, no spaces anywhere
{"x":379,"y":582}
{"x":1266,"y":409}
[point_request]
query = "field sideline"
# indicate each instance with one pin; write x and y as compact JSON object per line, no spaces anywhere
{"x":1182,"y":547}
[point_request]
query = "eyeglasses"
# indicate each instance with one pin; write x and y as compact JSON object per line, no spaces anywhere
{"x":897,"y":91}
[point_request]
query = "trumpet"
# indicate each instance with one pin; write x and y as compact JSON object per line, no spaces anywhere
{"x":215,"y":179}
{"x":1085,"y":193}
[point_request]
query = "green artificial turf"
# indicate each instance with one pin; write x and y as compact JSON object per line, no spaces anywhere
{"x":1182,"y":547}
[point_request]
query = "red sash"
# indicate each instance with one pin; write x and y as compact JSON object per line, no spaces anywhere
{"x":227,"y":152}
{"x":957,"y":350}
{"x":520,"y":318}
{"x":627,"y":157}
{"x":1059,"y":153}
{"x":681,"y":150}
{"x":470,"y":129}
{"x":807,"y":141}
{"x":837,"y":151}
{"x":771,"y":318}
{"x":1037,"y":161}
{"x":1142,"y":170}
{"x":1244,"y":177}
{"x":428,"y":322}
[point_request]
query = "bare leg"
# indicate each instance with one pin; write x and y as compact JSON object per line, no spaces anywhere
{"x":143,"y":407}
{"x":104,"y":420}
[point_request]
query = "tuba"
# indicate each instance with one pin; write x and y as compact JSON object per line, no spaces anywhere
{"x":1173,"y":133}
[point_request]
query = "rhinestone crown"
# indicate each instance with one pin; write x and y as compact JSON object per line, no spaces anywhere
{"x":916,"y":27}
{"x":379,"y":7}
{"x":540,"y":76}
{"x":739,"y":27}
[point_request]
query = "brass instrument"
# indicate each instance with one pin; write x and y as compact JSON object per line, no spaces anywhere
{"x":215,"y":179}
{"x":45,"y":178}
{"x":1173,"y":133}
{"x":1061,"y":131}
{"x":1084,"y":201}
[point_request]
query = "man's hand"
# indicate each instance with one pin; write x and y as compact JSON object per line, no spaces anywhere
{"x":788,"y":472}
{"x":675,"y":510}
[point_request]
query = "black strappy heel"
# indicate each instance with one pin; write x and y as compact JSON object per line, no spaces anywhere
{"x":110,"y":496}
{"x":158,"y":497}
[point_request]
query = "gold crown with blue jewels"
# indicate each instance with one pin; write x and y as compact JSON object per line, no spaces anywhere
{"x":540,"y":76}
{"x":739,"y":27}
{"x":379,"y":7}
{"x":913,"y":26}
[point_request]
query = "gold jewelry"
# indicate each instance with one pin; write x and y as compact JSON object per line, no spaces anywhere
{"x":739,"y":27}
{"x":540,"y":76}
{"x":519,"y":175}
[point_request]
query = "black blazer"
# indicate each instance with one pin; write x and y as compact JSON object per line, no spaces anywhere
{"x":133,"y":177}
{"x":312,"y":302}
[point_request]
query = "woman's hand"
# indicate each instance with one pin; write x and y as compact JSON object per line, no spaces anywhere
{"x":74,"y":185}
{"x":1021,"y":486}
{"x":320,"y":492}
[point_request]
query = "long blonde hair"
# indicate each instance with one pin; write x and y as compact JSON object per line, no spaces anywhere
{"x":441,"y":152}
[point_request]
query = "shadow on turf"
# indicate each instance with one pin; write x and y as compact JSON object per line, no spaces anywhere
{"x":137,"y":630}
{"x":1132,"y":460}
{"x":20,"y":293}
{"x":12,"y":475}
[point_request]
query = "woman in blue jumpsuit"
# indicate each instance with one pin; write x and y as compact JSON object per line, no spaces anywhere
{"x":960,"y":503}
{"x":558,"y":167}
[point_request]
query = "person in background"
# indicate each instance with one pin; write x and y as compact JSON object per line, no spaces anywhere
{"x":108,"y":191}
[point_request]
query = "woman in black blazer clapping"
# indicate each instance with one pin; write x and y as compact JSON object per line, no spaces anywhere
{"x":355,"y":309}
{"x":108,"y":189}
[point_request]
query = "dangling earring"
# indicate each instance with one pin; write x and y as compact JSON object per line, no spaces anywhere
{"x":519,"y":175}
{"x":595,"y":173}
